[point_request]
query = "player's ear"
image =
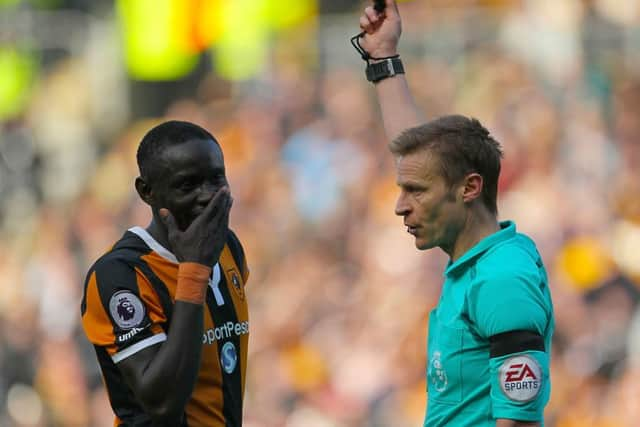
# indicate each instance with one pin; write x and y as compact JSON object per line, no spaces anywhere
{"x":472,"y":190}
{"x":144,"y":190}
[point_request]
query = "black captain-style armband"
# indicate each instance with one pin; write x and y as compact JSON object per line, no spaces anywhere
{"x":388,"y":67}
{"x":515,"y":342}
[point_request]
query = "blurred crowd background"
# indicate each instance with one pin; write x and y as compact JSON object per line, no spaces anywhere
{"x":339,"y":296}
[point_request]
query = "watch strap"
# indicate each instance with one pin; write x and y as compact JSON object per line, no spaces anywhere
{"x":381,"y":70}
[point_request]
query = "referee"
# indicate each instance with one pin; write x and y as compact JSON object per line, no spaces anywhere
{"x":489,"y":338}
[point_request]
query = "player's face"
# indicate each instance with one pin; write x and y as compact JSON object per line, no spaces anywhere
{"x":189,"y":174}
{"x":432,"y":210}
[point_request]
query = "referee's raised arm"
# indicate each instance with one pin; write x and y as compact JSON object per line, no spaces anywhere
{"x":378,"y":45}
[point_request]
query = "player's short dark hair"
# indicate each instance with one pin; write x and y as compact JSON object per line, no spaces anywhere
{"x":462,"y":146}
{"x":167,"y":134}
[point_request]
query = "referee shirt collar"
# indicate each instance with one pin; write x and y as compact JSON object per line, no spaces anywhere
{"x":507,"y":231}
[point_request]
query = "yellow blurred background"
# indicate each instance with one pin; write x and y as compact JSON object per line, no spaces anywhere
{"x":338,"y":294}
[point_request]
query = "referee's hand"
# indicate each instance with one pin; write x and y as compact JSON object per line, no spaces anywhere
{"x":382,"y":30}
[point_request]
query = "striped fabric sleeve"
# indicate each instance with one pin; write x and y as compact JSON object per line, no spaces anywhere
{"x":122,"y":312}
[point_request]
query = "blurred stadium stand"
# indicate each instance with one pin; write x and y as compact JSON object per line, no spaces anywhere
{"x":339,"y":295}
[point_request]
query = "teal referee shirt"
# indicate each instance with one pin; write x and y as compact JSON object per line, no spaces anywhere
{"x":490,"y":335}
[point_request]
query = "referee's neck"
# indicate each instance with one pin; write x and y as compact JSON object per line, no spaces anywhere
{"x":478,"y":225}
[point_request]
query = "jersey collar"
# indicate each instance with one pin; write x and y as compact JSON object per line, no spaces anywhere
{"x":153,"y":244}
{"x":507,"y":231}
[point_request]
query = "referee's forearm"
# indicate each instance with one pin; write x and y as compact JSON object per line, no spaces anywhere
{"x":398,"y":108}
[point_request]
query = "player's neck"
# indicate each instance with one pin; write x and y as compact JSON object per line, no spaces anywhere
{"x":159,"y":233}
{"x":480,"y":223}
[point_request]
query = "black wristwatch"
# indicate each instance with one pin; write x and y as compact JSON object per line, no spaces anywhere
{"x":381,"y":70}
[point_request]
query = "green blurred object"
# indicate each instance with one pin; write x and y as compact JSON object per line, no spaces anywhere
{"x":163,"y":38}
{"x":242,"y":48}
{"x":17,"y":71}
{"x":7,"y":3}
{"x":285,"y":14}
{"x":155,"y":34}
{"x":40,"y":4}
{"x":46,"y":4}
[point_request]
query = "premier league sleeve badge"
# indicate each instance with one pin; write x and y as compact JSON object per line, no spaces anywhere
{"x":126,"y":309}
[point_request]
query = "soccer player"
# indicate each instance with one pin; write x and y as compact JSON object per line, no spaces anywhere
{"x":490,"y":334}
{"x":165,"y":307}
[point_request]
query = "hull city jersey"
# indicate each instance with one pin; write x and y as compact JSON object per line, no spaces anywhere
{"x":127,"y":306}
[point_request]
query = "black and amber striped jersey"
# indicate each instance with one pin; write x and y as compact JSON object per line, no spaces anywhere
{"x":127,"y":306}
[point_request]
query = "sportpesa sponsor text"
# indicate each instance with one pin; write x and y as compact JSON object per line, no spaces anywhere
{"x":226,"y":330}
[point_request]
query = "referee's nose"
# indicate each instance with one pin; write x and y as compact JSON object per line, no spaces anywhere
{"x":403,"y":208}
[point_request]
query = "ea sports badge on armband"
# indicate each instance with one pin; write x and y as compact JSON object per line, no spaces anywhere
{"x":521,"y":378}
{"x":126,"y":309}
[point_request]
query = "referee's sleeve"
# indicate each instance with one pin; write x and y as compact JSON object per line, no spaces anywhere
{"x":513,"y":300}
{"x":509,"y":300}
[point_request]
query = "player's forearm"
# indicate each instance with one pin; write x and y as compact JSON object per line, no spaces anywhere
{"x":168,"y":380}
{"x":514,"y":423}
{"x":398,"y":108}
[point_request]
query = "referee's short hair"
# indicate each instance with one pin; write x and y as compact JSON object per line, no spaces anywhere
{"x":462,"y":145}
{"x":164,"y":135}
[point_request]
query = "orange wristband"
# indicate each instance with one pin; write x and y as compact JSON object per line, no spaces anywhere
{"x":193,"y":279}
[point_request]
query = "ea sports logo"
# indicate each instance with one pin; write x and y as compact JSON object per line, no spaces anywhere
{"x":521,"y":378}
{"x":519,"y":372}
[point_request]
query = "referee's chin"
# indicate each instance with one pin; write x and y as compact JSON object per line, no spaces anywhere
{"x":423,"y":245}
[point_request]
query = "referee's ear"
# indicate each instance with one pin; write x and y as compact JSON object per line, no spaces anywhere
{"x":144,"y":190}
{"x":472,"y":190}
